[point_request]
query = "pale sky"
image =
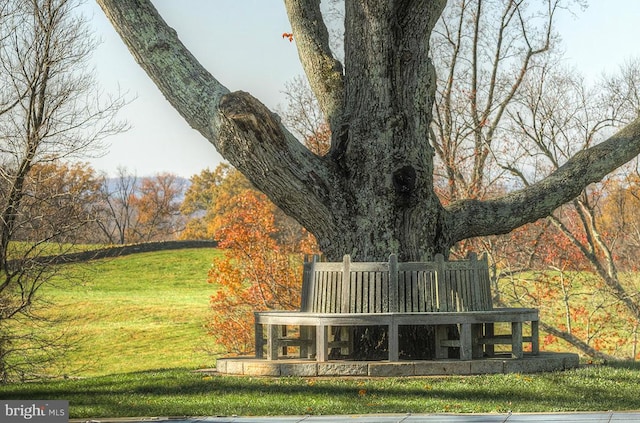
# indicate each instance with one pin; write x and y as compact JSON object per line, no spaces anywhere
{"x":240,"y":43}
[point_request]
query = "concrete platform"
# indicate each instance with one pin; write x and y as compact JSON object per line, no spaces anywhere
{"x":250,"y":366}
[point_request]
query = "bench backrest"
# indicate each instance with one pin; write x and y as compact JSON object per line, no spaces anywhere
{"x":381,"y":287}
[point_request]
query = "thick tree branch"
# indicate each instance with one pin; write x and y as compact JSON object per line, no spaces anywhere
{"x":323,"y":70}
{"x":294,"y":178}
{"x":242,"y":129}
{"x":473,"y":218}
{"x":188,"y":86}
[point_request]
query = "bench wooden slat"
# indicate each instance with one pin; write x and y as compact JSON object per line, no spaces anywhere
{"x":469,"y":297}
{"x":472,"y":290}
{"x":418,"y":305}
{"x":384,"y":293}
{"x":414,"y":305}
{"x":336,"y":298}
{"x":376,"y":295}
{"x":393,"y":287}
{"x":345,"y":286}
{"x":402,"y":298}
{"x":448,"y":292}
{"x":321,"y":290}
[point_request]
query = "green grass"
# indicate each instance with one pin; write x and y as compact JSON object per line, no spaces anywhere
{"x":181,"y":392}
{"x":135,"y":313}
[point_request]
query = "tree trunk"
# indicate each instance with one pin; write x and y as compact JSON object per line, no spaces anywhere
{"x":380,"y":147}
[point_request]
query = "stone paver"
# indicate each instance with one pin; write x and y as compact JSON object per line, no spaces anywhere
{"x":251,"y":366}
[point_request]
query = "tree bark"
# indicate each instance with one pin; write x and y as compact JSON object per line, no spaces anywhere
{"x":325,"y":72}
{"x":373,"y":194}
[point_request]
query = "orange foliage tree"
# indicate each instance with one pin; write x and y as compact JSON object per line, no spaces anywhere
{"x":620,"y":218}
{"x":260,"y":268}
{"x":207,"y":199}
{"x":60,"y":205}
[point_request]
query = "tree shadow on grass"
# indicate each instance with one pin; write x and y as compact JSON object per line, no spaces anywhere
{"x":185,"y":393}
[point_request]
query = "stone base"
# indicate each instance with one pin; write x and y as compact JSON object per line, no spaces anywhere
{"x":249,"y":366}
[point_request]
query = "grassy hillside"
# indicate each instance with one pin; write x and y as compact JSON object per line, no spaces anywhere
{"x":139,"y":312}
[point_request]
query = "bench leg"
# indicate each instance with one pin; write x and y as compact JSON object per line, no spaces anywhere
{"x":322,"y":344}
{"x":313,"y":347}
{"x":304,"y":349}
{"x":259,"y":340}
{"x":394,"y":354}
{"x":489,"y":332}
{"x":465,"y":341}
{"x":347,"y":337}
{"x":272,"y":342}
{"x":304,"y":335}
{"x":516,"y":339}
{"x":535,"y":338}
{"x":441,"y":335}
{"x":283,"y":334}
{"x":476,"y":333}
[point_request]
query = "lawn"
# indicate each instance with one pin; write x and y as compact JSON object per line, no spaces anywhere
{"x":140,"y":312}
{"x":182,"y":392}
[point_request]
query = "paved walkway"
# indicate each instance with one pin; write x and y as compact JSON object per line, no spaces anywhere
{"x":604,"y":417}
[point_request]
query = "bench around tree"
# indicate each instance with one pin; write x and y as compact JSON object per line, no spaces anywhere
{"x":435,"y":293}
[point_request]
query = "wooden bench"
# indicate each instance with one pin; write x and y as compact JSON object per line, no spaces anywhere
{"x":430,"y":293}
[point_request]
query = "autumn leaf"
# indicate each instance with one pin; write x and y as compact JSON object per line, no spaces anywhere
{"x":288,"y":35}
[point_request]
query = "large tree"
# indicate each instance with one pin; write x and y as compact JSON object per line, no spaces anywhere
{"x":373,"y":192}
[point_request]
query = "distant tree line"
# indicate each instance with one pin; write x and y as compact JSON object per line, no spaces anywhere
{"x":98,"y":209}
